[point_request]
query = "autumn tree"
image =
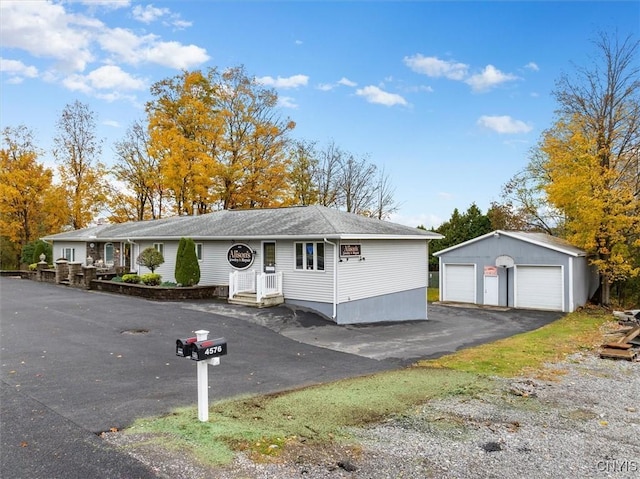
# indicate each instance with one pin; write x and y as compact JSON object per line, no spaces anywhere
{"x":185,"y":130}
{"x":220,"y":141}
{"x":592,"y":156}
{"x":30,"y":205}
{"x":139,"y":172}
{"x":253,"y":160}
{"x":503,"y":216}
{"x":304,"y":169}
{"x":77,"y":151}
{"x":525,"y":200}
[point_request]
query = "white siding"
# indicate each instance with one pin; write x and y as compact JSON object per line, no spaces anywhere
{"x":385,"y":267}
{"x":79,"y":247}
{"x":459,"y":282}
{"x":539,"y":287}
{"x":303,"y":284}
{"x":168,"y":268}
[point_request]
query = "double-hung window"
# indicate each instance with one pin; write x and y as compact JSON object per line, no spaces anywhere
{"x":199,"y":251}
{"x":69,"y":254}
{"x":310,"y":256}
{"x":159,"y":247}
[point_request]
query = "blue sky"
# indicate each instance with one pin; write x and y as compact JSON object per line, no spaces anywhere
{"x":448,"y":97}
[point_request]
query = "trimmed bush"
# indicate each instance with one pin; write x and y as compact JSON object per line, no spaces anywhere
{"x":33,"y":266}
{"x":131,"y":278}
{"x":187,"y":266}
{"x":117,"y":279}
{"x":151,"y":279}
{"x":150,"y":258}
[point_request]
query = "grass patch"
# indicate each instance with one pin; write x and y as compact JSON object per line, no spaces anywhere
{"x":433,"y":295}
{"x":264,"y":425}
{"x":528,"y":352}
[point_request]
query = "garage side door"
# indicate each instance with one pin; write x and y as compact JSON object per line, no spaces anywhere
{"x":539,"y":287}
{"x":459,"y":283}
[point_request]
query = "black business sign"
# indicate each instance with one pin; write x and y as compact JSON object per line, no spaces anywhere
{"x":350,"y":250}
{"x":240,"y":256}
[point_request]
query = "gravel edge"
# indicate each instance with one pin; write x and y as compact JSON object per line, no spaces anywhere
{"x":583,"y":424}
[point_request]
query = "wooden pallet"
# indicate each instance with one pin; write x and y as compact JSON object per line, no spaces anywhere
{"x":611,"y":353}
{"x":622,"y":349}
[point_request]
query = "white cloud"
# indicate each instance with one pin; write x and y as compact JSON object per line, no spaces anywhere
{"x":373,"y":94}
{"x":45,"y":29}
{"x":175,"y":55}
{"x":346,"y":82}
{"x":113,"y":77}
{"x":180,"y":24}
{"x":445,"y":196}
{"x":130,"y":48}
{"x":532,"y":66}
{"x":298,"y":42}
{"x":112,"y":123}
{"x":434,"y":67}
{"x":74,"y":41}
{"x":107,"y":82}
{"x":287,"y":102}
{"x":489,"y":78}
{"x":504,"y":124}
{"x":293,"y":81}
{"x":17,"y":70}
{"x":325,"y":86}
{"x":148,"y":13}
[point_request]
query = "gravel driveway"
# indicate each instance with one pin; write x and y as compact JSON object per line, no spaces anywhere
{"x":584,"y":424}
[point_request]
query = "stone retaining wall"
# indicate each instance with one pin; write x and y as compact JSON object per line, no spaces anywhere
{"x":160,"y":293}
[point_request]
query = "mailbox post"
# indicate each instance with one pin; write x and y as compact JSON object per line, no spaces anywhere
{"x":206,"y":352}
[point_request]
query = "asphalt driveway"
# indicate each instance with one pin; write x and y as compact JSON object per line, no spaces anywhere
{"x":75,"y":363}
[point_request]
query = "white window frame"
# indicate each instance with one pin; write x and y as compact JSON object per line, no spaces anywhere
{"x":307,"y":265}
{"x":69,"y":254}
{"x":113,"y":254}
{"x":199,"y":251}
{"x":159,"y":247}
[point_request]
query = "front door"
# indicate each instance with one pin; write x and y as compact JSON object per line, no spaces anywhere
{"x":491,"y":290}
{"x":268,"y":256}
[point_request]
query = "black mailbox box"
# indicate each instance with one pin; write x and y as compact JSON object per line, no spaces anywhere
{"x":209,"y":348}
{"x":184,"y":347}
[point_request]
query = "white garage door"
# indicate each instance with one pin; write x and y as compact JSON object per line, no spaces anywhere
{"x":539,"y":287}
{"x":459,"y":283}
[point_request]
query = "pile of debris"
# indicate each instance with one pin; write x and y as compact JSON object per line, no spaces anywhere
{"x":627,"y":346}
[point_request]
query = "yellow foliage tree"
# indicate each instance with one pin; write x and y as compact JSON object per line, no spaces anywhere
{"x":30,"y":205}
{"x":184,"y":133}
{"x":593,"y":161}
{"x":602,"y":211}
{"x":220,"y":141}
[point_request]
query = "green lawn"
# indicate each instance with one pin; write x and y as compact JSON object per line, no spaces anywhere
{"x":317,"y":415}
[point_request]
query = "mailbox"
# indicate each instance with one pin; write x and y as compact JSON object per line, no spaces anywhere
{"x":184,"y":347}
{"x":209,"y":348}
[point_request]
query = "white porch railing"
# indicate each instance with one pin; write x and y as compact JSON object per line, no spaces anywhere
{"x":263,"y":284}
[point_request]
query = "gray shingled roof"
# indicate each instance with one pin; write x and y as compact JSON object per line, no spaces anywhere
{"x":540,"y":239}
{"x":302,"y":221}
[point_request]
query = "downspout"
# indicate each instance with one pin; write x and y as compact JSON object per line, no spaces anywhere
{"x":335,"y":278}
{"x":134,"y":255}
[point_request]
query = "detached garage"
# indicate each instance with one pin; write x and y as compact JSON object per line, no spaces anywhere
{"x":516,"y":269}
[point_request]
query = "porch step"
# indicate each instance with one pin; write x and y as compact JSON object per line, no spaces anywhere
{"x":249,"y":299}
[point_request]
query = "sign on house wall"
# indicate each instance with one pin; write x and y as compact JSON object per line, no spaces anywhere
{"x":240,"y":256}
{"x":350,"y":250}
